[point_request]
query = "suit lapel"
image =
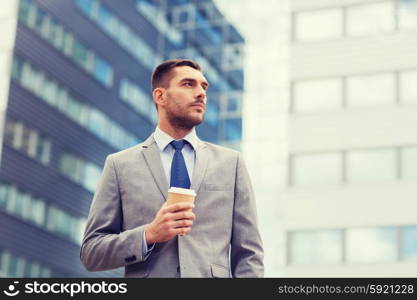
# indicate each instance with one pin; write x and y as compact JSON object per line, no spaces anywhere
{"x":153,"y":160}
{"x":201,"y":162}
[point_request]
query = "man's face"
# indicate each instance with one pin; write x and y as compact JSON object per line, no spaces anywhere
{"x":186,"y":97}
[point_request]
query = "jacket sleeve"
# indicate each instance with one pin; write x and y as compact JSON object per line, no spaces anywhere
{"x":246,"y":244}
{"x":105,"y":245}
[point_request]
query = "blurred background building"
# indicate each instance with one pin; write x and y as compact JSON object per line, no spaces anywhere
{"x":352,"y":139}
{"x":75,"y":86}
{"x":329,"y":133}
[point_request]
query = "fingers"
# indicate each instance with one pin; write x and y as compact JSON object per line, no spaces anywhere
{"x":183,"y":223}
{"x":177,"y":207}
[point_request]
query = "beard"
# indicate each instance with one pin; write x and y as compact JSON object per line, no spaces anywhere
{"x":181,"y":121}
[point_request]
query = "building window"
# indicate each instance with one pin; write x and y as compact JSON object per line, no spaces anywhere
{"x":121,"y":33}
{"x":12,"y":265}
{"x":49,"y":29}
{"x":156,"y":16}
{"x":371,"y":90}
{"x":59,"y":97}
{"x":320,"y":24}
{"x":409,"y":247}
{"x":377,"y":165}
{"x":80,"y":171}
{"x":407,"y":14}
{"x":370,"y":18}
{"x":233,"y":130}
{"x":317,"y":95}
{"x":27,"y":140}
{"x":304,"y":169}
{"x":34,"y":210}
{"x":409,"y":163}
{"x":408,"y":88}
{"x":369,"y":245}
{"x":212,"y":114}
{"x":134,"y":95}
{"x":315,"y":247}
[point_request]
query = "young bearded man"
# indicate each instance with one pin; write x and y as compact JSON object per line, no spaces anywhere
{"x":131,"y":225}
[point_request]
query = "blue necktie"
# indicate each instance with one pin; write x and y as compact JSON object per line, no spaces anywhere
{"x":179,"y":173}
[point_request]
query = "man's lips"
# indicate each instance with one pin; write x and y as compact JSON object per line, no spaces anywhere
{"x":198,"y":105}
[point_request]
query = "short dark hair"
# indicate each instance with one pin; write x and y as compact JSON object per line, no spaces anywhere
{"x":161,"y":72}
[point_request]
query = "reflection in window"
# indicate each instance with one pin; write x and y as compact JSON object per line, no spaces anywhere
{"x":409,"y":242}
{"x":367,"y":245}
{"x":134,"y":95}
{"x":48,"y":28}
{"x":371,"y":165}
{"x":27,"y":140}
{"x":371,"y":90}
{"x":409,"y":163}
{"x":305,"y":168}
{"x":59,"y":97}
{"x":408,"y":87}
{"x":322,"y":24}
{"x":80,"y":171}
{"x":233,"y":130}
{"x":407,"y":11}
{"x":317,"y":95}
{"x":316,"y":247}
{"x":33,"y":210}
{"x":370,"y":18}
{"x":16,"y":266}
{"x":212,"y":114}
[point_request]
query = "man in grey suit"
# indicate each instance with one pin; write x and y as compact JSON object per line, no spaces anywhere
{"x":131,"y":225}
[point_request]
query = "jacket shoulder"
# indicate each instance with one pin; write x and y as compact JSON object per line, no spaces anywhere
{"x":127,"y":153}
{"x":221,"y":150}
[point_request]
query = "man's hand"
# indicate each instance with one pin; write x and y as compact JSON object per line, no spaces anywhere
{"x":170,"y":220}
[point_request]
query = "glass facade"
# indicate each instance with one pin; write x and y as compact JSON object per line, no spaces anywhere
{"x":49,"y":29}
{"x":361,"y":165}
{"x":317,"y":95}
{"x":55,"y":94}
{"x":377,"y":245}
{"x":123,"y":34}
{"x":320,"y":24}
{"x":355,"y":20}
{"x":78,"y":92}
{"x":42,"y":214}
{"x":352,"y":246}
{"x":354,"y":166}
{"x":324,"y":247}
{"x":304,"y":169}
{"x":386,"y":89}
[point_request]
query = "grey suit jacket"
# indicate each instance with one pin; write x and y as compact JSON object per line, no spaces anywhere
{"x":224,"y":240}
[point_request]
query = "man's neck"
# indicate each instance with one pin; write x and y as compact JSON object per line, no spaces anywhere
{"x":175,"y":133}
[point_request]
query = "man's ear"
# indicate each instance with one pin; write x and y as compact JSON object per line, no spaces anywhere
{"x":158,"y":95}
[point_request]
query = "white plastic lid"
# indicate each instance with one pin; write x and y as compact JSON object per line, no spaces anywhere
{"x":181,"y":191}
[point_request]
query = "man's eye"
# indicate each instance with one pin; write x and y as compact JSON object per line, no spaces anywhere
{"x":188,"y":84}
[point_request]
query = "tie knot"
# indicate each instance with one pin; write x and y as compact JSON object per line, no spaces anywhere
{"x":178,"y":145}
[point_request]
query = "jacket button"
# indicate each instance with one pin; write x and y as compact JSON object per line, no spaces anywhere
{"x":178,"y":269}
{"x":130,"y":258}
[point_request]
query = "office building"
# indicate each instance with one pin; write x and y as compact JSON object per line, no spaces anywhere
{"x":76,"y":87}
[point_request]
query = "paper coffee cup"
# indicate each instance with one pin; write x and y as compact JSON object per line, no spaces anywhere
{"x":176,"y":195}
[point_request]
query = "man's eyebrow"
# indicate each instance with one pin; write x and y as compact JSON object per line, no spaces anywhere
{"x":205,"y":83}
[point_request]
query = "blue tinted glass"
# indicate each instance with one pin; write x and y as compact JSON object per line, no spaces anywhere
{"x":212,"y":113}
{"x":180,"y":1}
{"x":85,"y":5}
{"x":233,"y":130}
{"x":410,"y":242}
{"x":104,"y":17}
{"x":102,"y":71}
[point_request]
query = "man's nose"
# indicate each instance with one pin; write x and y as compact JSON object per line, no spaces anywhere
{"x":201,"y":94}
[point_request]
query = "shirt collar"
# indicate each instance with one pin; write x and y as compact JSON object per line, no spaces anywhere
{"x":162,"y":138}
